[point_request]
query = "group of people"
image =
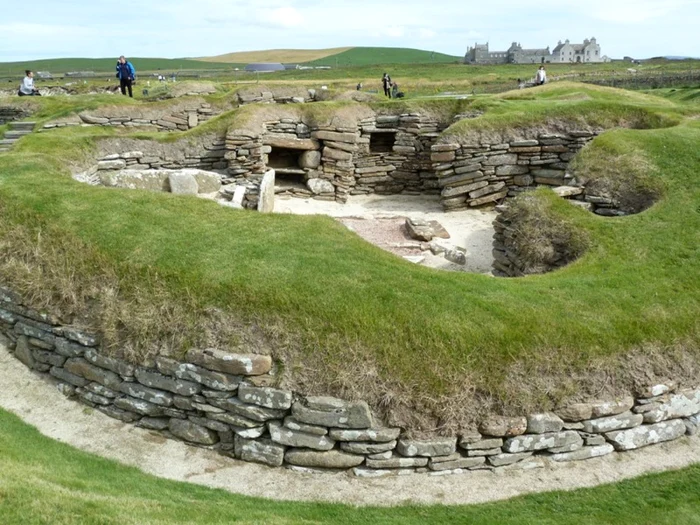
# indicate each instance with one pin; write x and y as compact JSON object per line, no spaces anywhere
{"x":125,"y":73}
{"x":391,"y":88}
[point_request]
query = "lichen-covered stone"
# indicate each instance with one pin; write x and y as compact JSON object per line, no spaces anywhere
{"x":596,"y":409}
{"x":543,"y":423}
{"x":254,"y":412}
{"x":501,"y":460}
{"x":462,"y":463}
{"x":608,"y":424}
{"x":295,"y":438}
{"x":534,"y":442}
{"x":63,"y":375}
{"x":115,"y":365}
{"x":646,"y":435}
{"x":292,"y":423}
{"x":374,"y":435}
{"x":341,"y":414}
{"x":683,"y":404}
{"x":139,"y":406}
{"x":584,"y":453}
{"x":397,"y":462}
{"x":367,"y":448}
{"x":176,"y":386}
{"x":259,"y":451}
{"x":145,"y":393}
{"x":265,"y":397}
{"x":427,"y":448}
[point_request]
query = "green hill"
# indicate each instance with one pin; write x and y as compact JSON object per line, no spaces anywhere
{"x":103,"y":65}
{"x":365,"y":56}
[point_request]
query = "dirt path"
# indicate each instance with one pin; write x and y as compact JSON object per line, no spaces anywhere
{"x":36,"y":401}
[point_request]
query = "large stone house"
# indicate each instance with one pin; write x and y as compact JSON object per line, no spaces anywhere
{"x":589,"y":51}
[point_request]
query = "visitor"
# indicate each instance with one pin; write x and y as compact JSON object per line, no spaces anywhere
{"x":395,"y":90}
{"x":386,"y":83}
{"x":126,"y":75}
{"x":541,"y":76}
{"x":359,"y":86}
{"x":26,"y":87}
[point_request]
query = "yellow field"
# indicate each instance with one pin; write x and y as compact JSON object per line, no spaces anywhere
{"x":275,"y":55}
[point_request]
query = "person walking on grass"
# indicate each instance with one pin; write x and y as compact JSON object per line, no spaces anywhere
{"x":126,"y":75}
{"x":541,"y":76}
{"x":26,"y":87}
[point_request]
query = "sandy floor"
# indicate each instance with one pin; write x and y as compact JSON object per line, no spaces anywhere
{"x":35,"y":400}
{"x":380,"y":220}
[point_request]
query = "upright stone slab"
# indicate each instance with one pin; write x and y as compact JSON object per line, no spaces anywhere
{"x":266,"y":200}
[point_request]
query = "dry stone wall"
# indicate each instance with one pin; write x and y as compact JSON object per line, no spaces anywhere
{"x":11,"y":113}
{"x":182,"y":118}
{"x":212,"y":398}
{"x":475,"y":173}
{"x":382,"y":154}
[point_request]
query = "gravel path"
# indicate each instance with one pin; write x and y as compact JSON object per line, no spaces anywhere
{"x":35,"y":399}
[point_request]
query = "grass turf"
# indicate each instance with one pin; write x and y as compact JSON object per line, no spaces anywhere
{"x":44,"y":481}
{"x":353,"y":305}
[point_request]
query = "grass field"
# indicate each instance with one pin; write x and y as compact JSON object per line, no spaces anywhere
{"x":284,"y":56}
{"x":327,"y":297}
{"x":372,"y":56}
{"x":46,"y":482}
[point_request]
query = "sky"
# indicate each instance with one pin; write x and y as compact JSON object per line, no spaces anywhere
{"x":194,"y":28}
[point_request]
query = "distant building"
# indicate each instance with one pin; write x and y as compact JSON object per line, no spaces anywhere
{"x":589,"y":51}
{"x":266,"y":67}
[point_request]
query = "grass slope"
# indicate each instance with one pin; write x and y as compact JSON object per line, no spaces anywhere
{"x":369,"y":56}
{"x":285,"y":56}
{"x":407,"y":331}
{"x":44,"y":481}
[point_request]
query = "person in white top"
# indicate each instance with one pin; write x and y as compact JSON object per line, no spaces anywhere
{"x":541,"y":76}
{"x":26,"y":88}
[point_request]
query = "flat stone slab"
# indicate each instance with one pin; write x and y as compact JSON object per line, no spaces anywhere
{"x":584,"y":453}
{"x":534,"y":442}
{"x":499,"y":426}
{"x":333,"y":413}
{"x":427,"y":448}
{"x":608,"y":424}
{"x":543,"y":423}
{"x":596,"y":409}
{"x":374,"y":435}
{"x":298,"y":439}
{"x":330,"y":459}
{"x":683,"y":404}
{"x":236,"y":364}
{"x":647,"y":435}
{"x":189,"y":431}
{"x":259,"y":451}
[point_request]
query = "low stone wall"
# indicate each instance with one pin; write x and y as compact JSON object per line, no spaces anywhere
{"x":11,"y":113}
{"x":275,"y":96}
{"x":181,"y":118}
{"x":223,"y":401}
{"x":473,"y":174}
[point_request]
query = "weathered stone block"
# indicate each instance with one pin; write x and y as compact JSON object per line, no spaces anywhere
{"x":427,"y":448}
{"x":543,"y":423}
{"x":189,"y":431}
{"x":610,"y":423}
{"x":151,"y":395}
{"x":501,"y":460}
{"x":646,"y":435}
{"x":235,"y":364}
{"x":595,"y":409}
{"x":82,"y":368}
{"x":584,"y":453}
{"x":260,"y":451}
{"x":397,"y":462}
{"x":115,"y":365}
{"x":63,"y":375}
{"x":330,"y":459}
{"x":295,"y":438}
{"x":139,"y":406}
{"x":265,"y":397}
{"x":176,"y":386}
{"x":338,"y":414}
{"x":366,"y":448}
{"x":499,"y":426}
{"x":373,"y":435}
{"x":292,"y":423}
{"x":462,"y":463}
{"x":533,"y":442}
{"x":183,"y":184}
{"x":683,"y":404}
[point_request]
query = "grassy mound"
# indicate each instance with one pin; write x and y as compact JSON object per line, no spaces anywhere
{"x":44,"y":481}
{"x":159,"y":272}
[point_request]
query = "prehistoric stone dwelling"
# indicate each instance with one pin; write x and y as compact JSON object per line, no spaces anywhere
{"x":567,"y":52}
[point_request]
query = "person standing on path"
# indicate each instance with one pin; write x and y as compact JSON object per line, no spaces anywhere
{"x":541,"y":76}
{"x":386,"y":83}
{"x":126,"y":75}
{"x":26,"y":87}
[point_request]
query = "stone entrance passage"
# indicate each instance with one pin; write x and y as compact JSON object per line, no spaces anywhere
{"x":382,"y":141}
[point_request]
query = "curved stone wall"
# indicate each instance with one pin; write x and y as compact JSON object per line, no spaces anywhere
{"x":220,"y":400}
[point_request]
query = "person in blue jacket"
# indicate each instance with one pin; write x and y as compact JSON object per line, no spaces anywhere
{"x":126,"y":75}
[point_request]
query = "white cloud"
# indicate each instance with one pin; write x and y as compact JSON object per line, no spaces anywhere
{"x":281,"y":17}
{"x":426,"y":34}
